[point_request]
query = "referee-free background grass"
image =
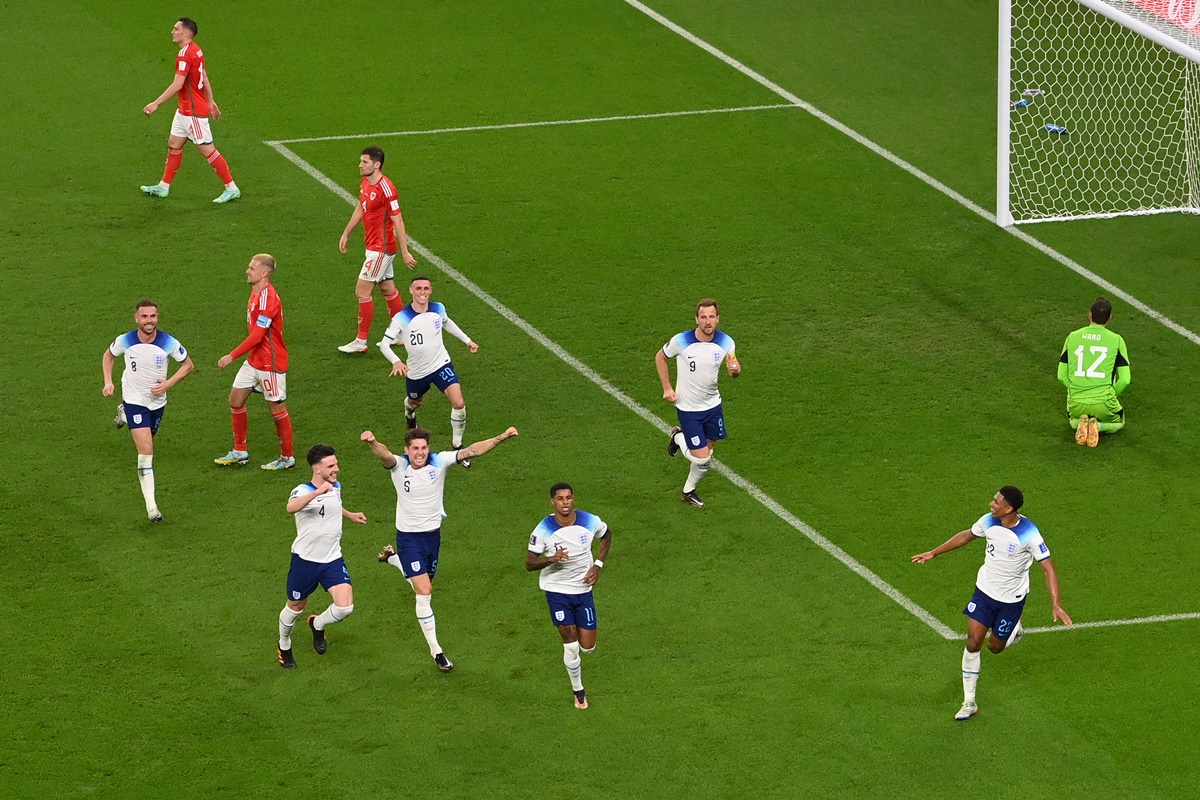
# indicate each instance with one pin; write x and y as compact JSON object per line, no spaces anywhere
{"x":899,"y":359}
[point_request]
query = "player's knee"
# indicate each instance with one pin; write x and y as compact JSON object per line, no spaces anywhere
{"x":458,"y":410}
{"x":341,"y":612}
{"x":996,"y":645}
{"x":583,"y":649}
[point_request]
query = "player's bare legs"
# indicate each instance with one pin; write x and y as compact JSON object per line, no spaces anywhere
{"x":458,"y":414}
{"x":342,"y":606}
{"x":364,"y":292}
{"x":143,"y":440}
{"x":423,"y":587}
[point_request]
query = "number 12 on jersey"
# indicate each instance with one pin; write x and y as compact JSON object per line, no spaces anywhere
{"x":1101,"y":353}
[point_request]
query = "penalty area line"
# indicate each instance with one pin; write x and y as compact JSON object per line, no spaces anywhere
{"x":539,"y":124}
{"x":637,"y":408}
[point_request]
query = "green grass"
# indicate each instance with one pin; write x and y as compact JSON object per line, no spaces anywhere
{"x":899,"y":356}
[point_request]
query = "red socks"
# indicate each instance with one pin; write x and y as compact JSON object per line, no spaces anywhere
{"x":394,"y":303}
{"x":174,"y":159}
{"x":283,"y":427}
{"x":366,"y":312}
{"x":218,"y":163}
{"x":240,"y":426}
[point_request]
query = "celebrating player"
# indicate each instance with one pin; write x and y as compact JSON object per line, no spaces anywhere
{"x":264,"y":371}
{"x":420,"y":325}
{"x":383,"y":227}
{"x":561,"y":547}
{"x":1094,"y":366}
{"x":144,"y":386}
{"x":1002,"y":585}
{"x":317,"y":553}
{"x":196,"y":104}
{"x":698,"y":355}
{"x":420,"y":479}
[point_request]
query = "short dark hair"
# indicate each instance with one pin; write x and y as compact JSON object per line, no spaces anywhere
{"x":707,"y":302}
{"x":420,"y":278}
{"x":1101,"y":311}
{"x":558,"y":487}
{"x":319,"y":452}
{"x":414,"y":434}
{"x":1012,"y":495}
{"x":190,"y":24}
{"x":144,"y":304}
{"x":375,"y":154}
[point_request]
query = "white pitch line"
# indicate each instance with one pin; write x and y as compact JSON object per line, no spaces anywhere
{"x":1108,"y":623}
{"x":758,"y":494}
{"x":917,"y":173}
{"x":539,"y":124}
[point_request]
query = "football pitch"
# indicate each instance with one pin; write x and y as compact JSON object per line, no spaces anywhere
{"x":576,"y":176}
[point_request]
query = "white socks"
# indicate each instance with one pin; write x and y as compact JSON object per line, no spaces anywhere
{"x":428,"y":626}
{"x":146,"y":479}
{"x":970,"y":673}
{"x":287,"y":621}
{"x":458,"y":426}
{"x":409,"y":411}
{"x":334,"y":613}
{"x":695,"y":472}
{"x":574,"y":665}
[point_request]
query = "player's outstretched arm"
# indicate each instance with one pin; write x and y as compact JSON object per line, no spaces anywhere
{"x":379,"y":449}
{"x":593,"y":573}
{"x":486,"y":446}
{"x":106,"y":367}
{"x":664,"y":376}
{"x":1052,"y":587}
{"x":355,"y":516}
{"x":953,"y":543}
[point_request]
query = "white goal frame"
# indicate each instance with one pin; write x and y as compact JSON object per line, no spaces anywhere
{"x":1175,"y":27}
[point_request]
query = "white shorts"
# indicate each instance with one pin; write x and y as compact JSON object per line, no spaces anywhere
{"x":195,"y":129}
{"x":272,"y":385}
{"x":377,"y":267}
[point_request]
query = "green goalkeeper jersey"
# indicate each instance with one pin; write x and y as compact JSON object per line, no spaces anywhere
{"x":1094,"y":365}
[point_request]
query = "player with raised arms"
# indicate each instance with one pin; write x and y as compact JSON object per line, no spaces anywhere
{"x":419,"y":476}
{"x":419,"y":326}
{"x":1002,"y":584}
{"x":561,"y":548}
{"x":317,"y":553}
{"x":144,"y":386}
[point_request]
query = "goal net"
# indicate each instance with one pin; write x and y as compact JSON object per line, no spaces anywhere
{"x":1098,"y":104}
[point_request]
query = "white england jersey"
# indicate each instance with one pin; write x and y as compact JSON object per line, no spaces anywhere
{"x":566,"y":577}
{"x":697,"y":365}
{"x":421,"y":334}
{"x":319,"y":525}
{"x":145,"y":365}
{"x":1004,"y":575}
{"x":419,"y":492}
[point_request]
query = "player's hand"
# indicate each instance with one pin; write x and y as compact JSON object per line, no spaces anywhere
{"x":399,"y":368}
{"x":224,"y":361}
{"x":560,"y":555}
{"x":357,"y":516}
{"x":368,"y":437}
{"x":669,"y":395}
{"x":150,"y":109}
{"x":1061,"y":615}
{"x":409,"y":260}
{"x":592,"y":575}
{"x":922,"y":558}
{"x":474,"y":348}
{"x":508,"y":434}
{"x":108,"y":390}
{"x":342,"y":243}
{"x":734,"y":366}
{"x":213,"y":110}
{"x":324,"y":487}
{"x":159,"y":389}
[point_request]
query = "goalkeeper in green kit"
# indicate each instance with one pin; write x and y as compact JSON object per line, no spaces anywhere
{"x":1094,"y":366}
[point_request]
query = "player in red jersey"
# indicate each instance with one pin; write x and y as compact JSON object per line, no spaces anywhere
{"x":378,"y":205}
{"x":265,"y":370}
{"x":196,"y":104}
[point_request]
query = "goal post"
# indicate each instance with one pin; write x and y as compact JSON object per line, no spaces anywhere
{"x":1097,"y":109}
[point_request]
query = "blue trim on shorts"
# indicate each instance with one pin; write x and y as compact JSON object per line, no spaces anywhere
{"x":418,"y":552}
{"x":701,"y":426}
{"x":443,"y":379}
{"x":572,"y":609}
{"x":303,"y":576}
{"x":145,"y":418}
{"x":1001,"y":618}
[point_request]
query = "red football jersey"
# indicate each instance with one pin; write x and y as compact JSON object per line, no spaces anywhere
{"x":193,"y":97}
{"x":264,"y":319}
{"x":379,"y":203}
